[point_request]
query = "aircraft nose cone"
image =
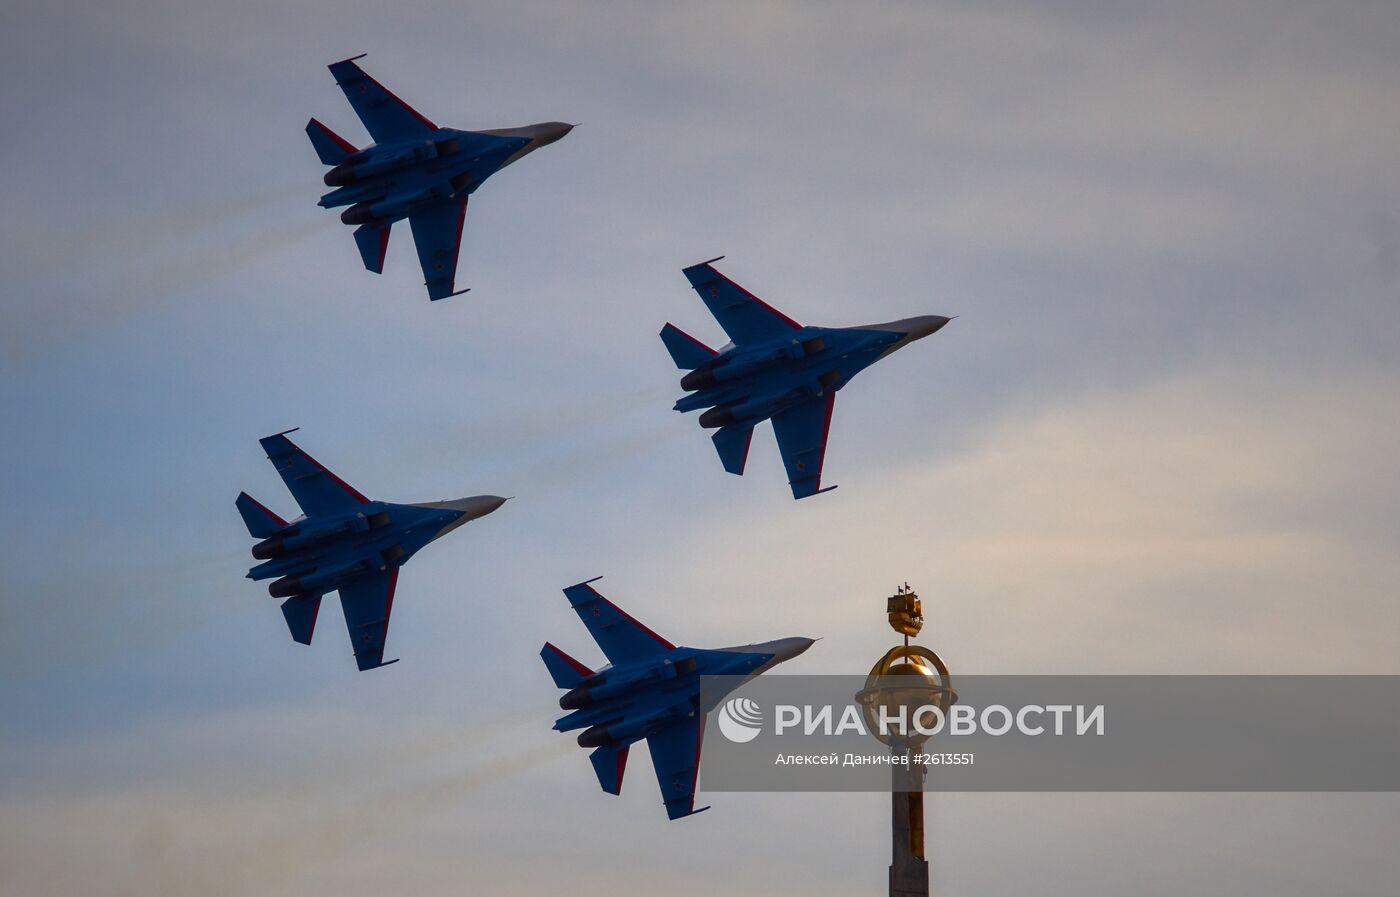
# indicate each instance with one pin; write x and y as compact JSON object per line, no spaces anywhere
{"x":470,"y":508}
{"x":922,"y":326}
{"x":488,"y":503}
{"x":551,"y":131}
{"x":789,"y":648}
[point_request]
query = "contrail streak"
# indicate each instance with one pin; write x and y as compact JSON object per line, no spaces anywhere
{"x":96,"y":276}
{"x":249,"y":856}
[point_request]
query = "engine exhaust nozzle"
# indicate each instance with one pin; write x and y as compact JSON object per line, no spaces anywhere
{"x":357,"y":214}
{"x":594,"y":736}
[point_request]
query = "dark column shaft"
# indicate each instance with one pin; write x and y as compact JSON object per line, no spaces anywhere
{"x":908,"y":868}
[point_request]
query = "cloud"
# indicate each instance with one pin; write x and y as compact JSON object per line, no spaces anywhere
{"x":1157,"y":440}
{"x":1229,"y":519}
{"x":293,"y":793}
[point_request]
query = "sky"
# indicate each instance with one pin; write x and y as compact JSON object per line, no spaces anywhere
{"x":1159,"y":438}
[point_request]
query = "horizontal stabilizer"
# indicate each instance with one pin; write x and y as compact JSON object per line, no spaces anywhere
{"x":373,"y":240}
{"x":301,"y":611}
{"x":330,"y":146}
{"x":260,"y":521}
{"x":687,"y":351}
{"x":732,"y":443}
{"x":563,"y":669}
{"x":610,"y":763}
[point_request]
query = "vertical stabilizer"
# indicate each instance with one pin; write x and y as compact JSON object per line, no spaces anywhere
{"x":373,"y":240}
{"x":301,"y":611}
{"x":732,"y":443}
{"x":563,"y":669}
{"x":686,"y":351}
{"x":610,"y":763}
{"x":331,"y":148}
{"x":260,"y":521}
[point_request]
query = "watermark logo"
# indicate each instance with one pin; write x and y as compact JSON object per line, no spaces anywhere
{"x":1051,"y":733}
{"x":740,"y":720}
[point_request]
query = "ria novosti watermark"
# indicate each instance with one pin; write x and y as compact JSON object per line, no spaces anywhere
{"x":925,"y":720}
{"x":1056,"y":733}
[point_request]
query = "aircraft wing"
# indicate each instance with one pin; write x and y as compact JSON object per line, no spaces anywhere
{"x":675,"y":755}
{"x":621,"y":637}
{"x":385,"y":116}
{"x":744,"y":316}
{"x":367,"y":602}
{"x":316,"y":489}
{"x":801,"y":432}
{"x":437,"y":232}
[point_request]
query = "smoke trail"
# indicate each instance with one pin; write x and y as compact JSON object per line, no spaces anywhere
{"x":535,"y":425}
{"x":252,"y":834}
{"x":62,"y":616}
{"x":79,"y":281}
{"x":239,"y":856}
{"x":443,"y":791}
{"x":550,"y":475}
{"x":100,"y":242}
{"x":185,"y":270}
{"x":542,"y":448}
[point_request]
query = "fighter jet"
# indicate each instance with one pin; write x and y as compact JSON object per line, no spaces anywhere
{"x":650,"y":689}
{"x":414,"y":170}
{"x":773,"y":367}
{"x":343,"y":541}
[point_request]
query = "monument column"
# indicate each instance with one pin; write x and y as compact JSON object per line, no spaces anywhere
{"x":907,"y":678}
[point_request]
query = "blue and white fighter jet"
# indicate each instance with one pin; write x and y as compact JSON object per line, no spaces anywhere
{"x":650,"y":689}
{"x":773,"y":367}
{"x":414,"y":170}
{"x":343,"y":541}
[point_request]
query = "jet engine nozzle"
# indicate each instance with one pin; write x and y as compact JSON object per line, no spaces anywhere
{"x":357,"y":214}
{"x":268,"y":548}
{"x":339,"y":176}
{"x":594,"y":736}
{"x":698,"y":379}
{"x":722,"y":416}
{"x":317,"y":580}
{"x":285,"y":587}
{"x":575,"y":698}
